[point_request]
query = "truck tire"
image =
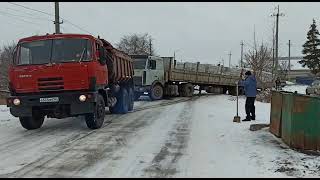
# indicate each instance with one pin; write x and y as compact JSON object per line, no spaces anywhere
{"x":224,"y":90}
{"x":137,"y":95}
{"x":31,"y":123}
{"x":122,"y":104}
{"x":232,"y":91}
{"x":241,"y":91}
{"x":187,"y":90}
{"x":156,"y":92}
{"x":95,"y":120}
{"x":131,"y":99}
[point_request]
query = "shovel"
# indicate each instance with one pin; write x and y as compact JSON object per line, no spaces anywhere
{"x":237,"y":117}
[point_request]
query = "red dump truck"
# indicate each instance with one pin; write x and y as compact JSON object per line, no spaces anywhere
{"x":66,"y":75}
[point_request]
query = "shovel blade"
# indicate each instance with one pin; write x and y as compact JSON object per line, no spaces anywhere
{"x":236,"y":119}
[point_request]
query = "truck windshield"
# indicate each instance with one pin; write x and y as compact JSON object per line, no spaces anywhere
{"x":54,"y":51}
{"x":139,"y":63}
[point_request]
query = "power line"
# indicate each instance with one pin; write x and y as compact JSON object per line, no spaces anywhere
{"x":43,"y":19}
{"x":19,"y":11}
{"x":76,"y":26}
{"x":20,"y":19}
{"x":31,"y":9}
{"x":51,"y":15}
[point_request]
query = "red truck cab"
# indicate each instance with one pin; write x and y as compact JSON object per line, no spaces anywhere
{"x":63,"y":75}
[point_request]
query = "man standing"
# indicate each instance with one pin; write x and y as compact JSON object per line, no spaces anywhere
{"x":250,"y":89}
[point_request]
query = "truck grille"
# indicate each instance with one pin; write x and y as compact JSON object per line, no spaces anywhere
{"x":137,"y":80}
{"x":50,"y":84}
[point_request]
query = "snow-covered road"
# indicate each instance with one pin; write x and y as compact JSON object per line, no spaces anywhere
{"x":182,"y":137}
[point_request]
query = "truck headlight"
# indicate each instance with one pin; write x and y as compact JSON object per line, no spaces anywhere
{"x":16,"y":102}
{"x":82,"y":98}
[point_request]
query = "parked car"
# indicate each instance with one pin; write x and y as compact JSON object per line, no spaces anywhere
{"x":314,"y":89}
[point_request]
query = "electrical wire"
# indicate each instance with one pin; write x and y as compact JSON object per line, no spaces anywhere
{"x":51,"y":15}
{"x":1,"y":13}
{"x":43,"y":19}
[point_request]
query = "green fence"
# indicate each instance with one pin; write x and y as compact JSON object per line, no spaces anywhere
{"x":300,"y":120}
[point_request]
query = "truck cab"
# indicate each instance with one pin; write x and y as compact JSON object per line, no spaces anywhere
{"x":67,"y":75}
{"x":149,"y":76}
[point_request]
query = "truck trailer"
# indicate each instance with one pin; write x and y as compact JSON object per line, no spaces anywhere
{"x":164,"y":76}
{"x":66,"y":75}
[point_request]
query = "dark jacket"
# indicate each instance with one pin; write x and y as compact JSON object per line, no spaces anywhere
{"x":250,"y":86}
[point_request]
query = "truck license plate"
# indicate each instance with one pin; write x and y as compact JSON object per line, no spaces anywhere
{"x":51,"y":99}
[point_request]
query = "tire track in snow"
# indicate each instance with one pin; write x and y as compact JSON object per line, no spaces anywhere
{"x":66,"y":146}
{"x":78,"y":154}
{"x":164,"y":163}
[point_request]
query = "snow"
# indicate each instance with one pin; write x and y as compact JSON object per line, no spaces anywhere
{"x":301,"y":89}
{"x":289,"y":83}
{"x":295,"y":65}
{"x":180,"y":137}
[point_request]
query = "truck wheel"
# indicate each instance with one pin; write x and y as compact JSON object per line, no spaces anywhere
{"x":121,"y":106}
{"x":241,"y":91}
{"x":232,"y":91}
{"x":131,"y":99}
{"x":137,"y":96}
{"x":224,"y":90}
{"x":31,"y":123}
{"x":187,"y":90}
{"x":156,"y":93}
{"x":95,"y":120}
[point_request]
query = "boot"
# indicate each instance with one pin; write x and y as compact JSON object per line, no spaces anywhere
{"x":253,"y":117}
{"x":247,"y":119}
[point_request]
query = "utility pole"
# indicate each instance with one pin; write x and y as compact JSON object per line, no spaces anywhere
{"x":230,"y":59}
{"x":289,"y":68}
{"x":272,"y":70}
{"x":57,"y":21}
{"x":241,"y":54}
{"x":150,"y":47}
{"x":277,"y":36}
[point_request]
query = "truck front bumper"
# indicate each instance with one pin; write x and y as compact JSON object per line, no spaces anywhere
{"x":69,"y":101}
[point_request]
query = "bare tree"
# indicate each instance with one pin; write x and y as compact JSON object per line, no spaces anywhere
{"x":6,"y":56}
{"x":284,"y":68}
{"x":259,"y":59}
{"x":136,"y":44}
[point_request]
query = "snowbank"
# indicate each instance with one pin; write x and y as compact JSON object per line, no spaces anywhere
{"x":301,"y":89}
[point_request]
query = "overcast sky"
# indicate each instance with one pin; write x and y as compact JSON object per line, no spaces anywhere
{"x":204,"y":31}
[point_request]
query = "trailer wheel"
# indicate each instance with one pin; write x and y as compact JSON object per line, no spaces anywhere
{"x":187,"y":90}
{"x":131,"y":99}
{"x":121,"y":106}
{"x":31,"y":123}
{"x":137,"y":95}
{"x":241,"y":91}
{"x":232,"y":91}
{"x":95,"y":120}
{"x":156,"y":92}
{"x":224,"y":90}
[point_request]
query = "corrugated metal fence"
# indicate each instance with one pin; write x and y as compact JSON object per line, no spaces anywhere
{"x":296,"y":119}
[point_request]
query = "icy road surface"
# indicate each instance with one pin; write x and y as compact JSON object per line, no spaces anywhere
{"x":183,"y":137}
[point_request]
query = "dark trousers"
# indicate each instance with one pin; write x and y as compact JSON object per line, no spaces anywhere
{"x":250,"y":108}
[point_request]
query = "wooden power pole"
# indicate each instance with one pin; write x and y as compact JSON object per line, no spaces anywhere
{"x":57,"y":21}
{"x":277,"y":37}
{"x":230,"y":59}
{"x":241,"y":58}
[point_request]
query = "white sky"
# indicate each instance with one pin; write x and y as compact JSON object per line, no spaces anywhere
{"x":204,"y":31}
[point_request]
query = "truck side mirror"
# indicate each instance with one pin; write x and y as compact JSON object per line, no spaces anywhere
{"x":102,"y":55}
{"x":14,"y":55}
